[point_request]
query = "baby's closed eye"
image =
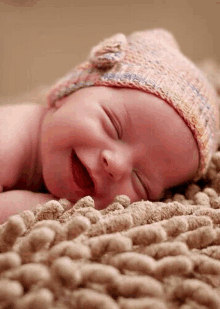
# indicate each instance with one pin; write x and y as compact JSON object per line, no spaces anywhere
{"x":140,"y":185}
{"x":116,"y":124}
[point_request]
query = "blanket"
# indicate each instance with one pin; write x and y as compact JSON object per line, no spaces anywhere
{"x":142,"y":255}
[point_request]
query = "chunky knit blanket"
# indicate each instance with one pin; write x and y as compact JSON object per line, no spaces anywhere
{"x":144,"y":255}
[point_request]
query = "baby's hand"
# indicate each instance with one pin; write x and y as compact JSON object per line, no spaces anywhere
{"x":15,"y":201}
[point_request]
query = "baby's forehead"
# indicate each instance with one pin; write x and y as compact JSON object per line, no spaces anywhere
{"x":133,"y":104}
{"x":133,"y":100}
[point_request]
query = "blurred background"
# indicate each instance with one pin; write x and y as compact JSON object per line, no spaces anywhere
{"x":42,"y":39}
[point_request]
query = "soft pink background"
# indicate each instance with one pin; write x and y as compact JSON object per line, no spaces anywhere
{"x":41,"y":40}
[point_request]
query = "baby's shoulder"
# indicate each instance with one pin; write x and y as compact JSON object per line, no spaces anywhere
{"x":17,"y":123}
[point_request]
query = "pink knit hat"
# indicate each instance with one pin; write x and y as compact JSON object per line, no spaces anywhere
{"x":151,"y":61}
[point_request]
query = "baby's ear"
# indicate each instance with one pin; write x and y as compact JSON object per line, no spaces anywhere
{"x":58,"y":104}
{"x":54,"y":104}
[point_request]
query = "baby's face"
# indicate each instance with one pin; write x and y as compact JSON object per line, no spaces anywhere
{"x":106,"y":141}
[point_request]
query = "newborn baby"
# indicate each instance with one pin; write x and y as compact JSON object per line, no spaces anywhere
{"x":136,"y":118}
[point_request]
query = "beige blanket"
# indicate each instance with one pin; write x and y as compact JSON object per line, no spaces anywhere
{"x":129,"y":256}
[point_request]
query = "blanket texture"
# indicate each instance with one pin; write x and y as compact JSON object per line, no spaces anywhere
{"x":142,"y":255}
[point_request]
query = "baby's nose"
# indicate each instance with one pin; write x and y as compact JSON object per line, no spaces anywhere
{"x":116,"y":165}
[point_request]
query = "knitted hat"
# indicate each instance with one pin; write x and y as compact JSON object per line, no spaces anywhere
{"x":151,"y":61}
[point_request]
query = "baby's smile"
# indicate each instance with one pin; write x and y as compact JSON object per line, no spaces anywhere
{"x":81,"y":175}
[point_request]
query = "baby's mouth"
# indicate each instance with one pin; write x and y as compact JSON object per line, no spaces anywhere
{"x":81,"y":175}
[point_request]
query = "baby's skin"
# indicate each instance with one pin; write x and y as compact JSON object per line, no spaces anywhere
{"x":99,"y":141}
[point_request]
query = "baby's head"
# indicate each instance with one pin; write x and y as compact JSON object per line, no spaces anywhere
{"x":136,"y":118}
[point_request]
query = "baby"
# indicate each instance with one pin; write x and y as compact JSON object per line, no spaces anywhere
{"x":136,"y":118}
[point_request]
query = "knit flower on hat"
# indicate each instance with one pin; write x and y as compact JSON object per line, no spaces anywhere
{"x":109,"y":52}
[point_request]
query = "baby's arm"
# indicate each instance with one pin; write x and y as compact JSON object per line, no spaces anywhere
{"x":19,"y":124}
{"x":15,"y":201}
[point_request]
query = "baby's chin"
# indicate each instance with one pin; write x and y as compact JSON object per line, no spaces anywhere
{"x":99,"y":203}
{"x":102,"y":203}
{"x":60,"y":190}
